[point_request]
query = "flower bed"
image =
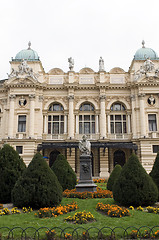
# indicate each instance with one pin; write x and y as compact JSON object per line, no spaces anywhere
{"x":99,"y":180}
{"x":100,"y":193}
{"x":153,"y":210}
{"x":112,"y":210}
{"x":15,"y":210}
{"x":81,"y":217}
{"x":55,"y":211}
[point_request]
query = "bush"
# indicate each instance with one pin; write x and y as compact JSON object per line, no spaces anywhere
{"x":11,"y":168}
{"x":155,"y":172}
{"x":38,"y":186}
{"x":134,"y":186}
{"x":64,"y":173}
{"x":113,"y":177}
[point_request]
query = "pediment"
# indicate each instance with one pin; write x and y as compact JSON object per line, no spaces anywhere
{"x":21,"y":80}
{"x":86,"y":71}
{"x":116,"y":70}
{"x":56,"y":71}
{"x":146,"y":79}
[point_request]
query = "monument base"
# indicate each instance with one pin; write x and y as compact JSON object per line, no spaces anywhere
{"x":87,"y":186}
{"x":85,"y":182}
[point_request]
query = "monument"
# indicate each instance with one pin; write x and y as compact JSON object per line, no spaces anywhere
{"x":85,"y":182}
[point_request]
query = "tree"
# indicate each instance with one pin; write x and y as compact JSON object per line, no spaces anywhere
{"x":134,"y":186}
{"x":113,"y":177}
{"x":11,"y":168}
{"x":38,"y":186}
{"x":64,"y":173}
{"x":155,"y":172}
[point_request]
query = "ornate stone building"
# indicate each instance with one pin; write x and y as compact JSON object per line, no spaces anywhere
{"x":49,"y":112}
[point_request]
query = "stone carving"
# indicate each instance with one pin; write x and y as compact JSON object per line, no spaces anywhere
{"x":22,"y":101}
{"x":148,"y":67}
{"x":71,"y":63}
{"x":101,"y":64}
{"x":85,"y":146}
{"x":85,"y":168}
{"x":151,"y":100}
{"x":24,"y":69}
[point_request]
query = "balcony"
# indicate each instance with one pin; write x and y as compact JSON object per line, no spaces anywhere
{"x":124,"y":136}
{"x":54,"y":136}
{"x":153,"y":134}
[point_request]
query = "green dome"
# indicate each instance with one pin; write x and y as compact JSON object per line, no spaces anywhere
{"x":27,"y":54}
{"x":144,"y":53}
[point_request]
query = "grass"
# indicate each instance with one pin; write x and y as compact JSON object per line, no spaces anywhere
{"x":137,"y":218}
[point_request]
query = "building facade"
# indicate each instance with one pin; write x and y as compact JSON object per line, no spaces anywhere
{"x":50,"y":112}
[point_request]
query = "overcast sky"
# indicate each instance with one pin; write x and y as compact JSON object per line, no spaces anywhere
{"x":81,"y":29}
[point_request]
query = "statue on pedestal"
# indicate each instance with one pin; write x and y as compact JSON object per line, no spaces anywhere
{"x":85,"y":146}
{"x":71,"y":63}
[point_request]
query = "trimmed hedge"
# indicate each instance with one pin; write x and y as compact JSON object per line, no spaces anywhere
{"x":11,"y":168}
{"x":38,"y":186}
{"x":134,"y":186}
{"x":155,"y":172}
{"x":113,"y":177}
{"x":64,"y":173}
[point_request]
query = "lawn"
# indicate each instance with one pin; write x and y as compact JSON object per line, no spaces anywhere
{"x":24,"y":220}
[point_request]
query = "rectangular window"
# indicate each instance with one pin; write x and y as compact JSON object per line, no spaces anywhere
{"x":22,"y":123}
{"x":152,"y":122}
{"x":19,"y":149}
{"x":155,"y":148}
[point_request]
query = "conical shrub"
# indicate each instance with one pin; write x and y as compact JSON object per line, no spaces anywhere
{"x":155,"y":172}
{"x":64,"y":173}
{"x":134,"y":186}
{"x":38,"y":186}
{"x":11,"y":168}
{"x":113,"y":177}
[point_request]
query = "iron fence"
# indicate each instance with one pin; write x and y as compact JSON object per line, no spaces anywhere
{"x":79,"y":233}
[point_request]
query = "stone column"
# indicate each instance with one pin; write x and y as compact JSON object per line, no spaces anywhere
{"x":142,"y":116}
{"x":71,"y":117}
{"x":102,"y":117}
{"x":128,"y":121}
{"x":11,"y":116}
{"x":45,"y":124}
{"x":97,"y":124}
{"x":40,"y":132}
{"x":134,"y":130}
{"x":65,"y":124}
{"x":104,"y":163}
{"x":108,"y":123}
{"x":77,"y":124}
{"x":32,"y":117}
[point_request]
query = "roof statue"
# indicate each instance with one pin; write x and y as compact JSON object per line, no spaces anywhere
{"x":101,"y":64}
{"x":148,"y":65}
{"x":71,"y":63}
{"x":85,"y":146}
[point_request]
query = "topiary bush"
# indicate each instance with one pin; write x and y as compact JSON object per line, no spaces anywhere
{"x":38,"y":186}
{"x":11,"y":168}
{"x":155,"y":172}
{"x":64,"y":173}
{"x":113,"y":177}
{"x":134,"y":186}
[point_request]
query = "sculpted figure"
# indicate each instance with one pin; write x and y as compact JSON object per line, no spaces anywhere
{"x":71,"y":63}
{"x":152,"y":100}
{"x":101,"y":64}
{"x":148,"y":65}
{"x":85,"y":145}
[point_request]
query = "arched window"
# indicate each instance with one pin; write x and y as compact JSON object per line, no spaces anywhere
{"x":55,"y":119}
{"x":86,"y":119}
{"x":118,"y":119}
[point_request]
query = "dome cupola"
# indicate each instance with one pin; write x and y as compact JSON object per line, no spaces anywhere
{"x":27,"y":54}
{"x":144,"y":53}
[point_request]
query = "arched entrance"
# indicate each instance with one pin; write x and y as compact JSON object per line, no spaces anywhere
{"x":119,"y":158}
{"x":53,"y":156}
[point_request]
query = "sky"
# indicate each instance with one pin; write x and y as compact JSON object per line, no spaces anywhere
{"x":81,"y":29}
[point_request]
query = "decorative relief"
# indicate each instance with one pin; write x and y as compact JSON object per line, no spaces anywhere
{"x":117,"y":79}
{"x":22,"y":101}
{"x":56,"y":80}
{"x":23,"y":69}
{"x":86,"y":80}
{"x":151,"y":100}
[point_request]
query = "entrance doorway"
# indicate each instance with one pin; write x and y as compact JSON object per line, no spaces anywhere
{"x":119,"y":158}
{"x":53,"y":156}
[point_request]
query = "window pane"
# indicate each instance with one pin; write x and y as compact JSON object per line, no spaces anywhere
{"x":86,"y":128}
{"x":112,"y":127}
{"x":49,"y":128}
{"x":117,"y":107}
{"x":86,"y":117}
{"x":124,"y":117}
{"x":55,"y":128}
{"x":93,"y":117}
{"x":152,"y":117}
{"x":55,"y":118}
{"x":56,"y":107}
{"x":22,"y":123}
{"x":118,"y":127}
{"x":111,"y":117}
{"x":93,"y":127}
{"x":86,"y":107}
{"x":49,"y":118}
{"x":80,"y":128}
{"x":62,"y":117}
{"x":124,"y":127}
{"x":117,"y":117}
{"x":62,"y":128}
{"x":80,"y":117}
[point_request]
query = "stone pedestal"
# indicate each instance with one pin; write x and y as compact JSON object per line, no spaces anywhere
{"x":85,"y":182}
